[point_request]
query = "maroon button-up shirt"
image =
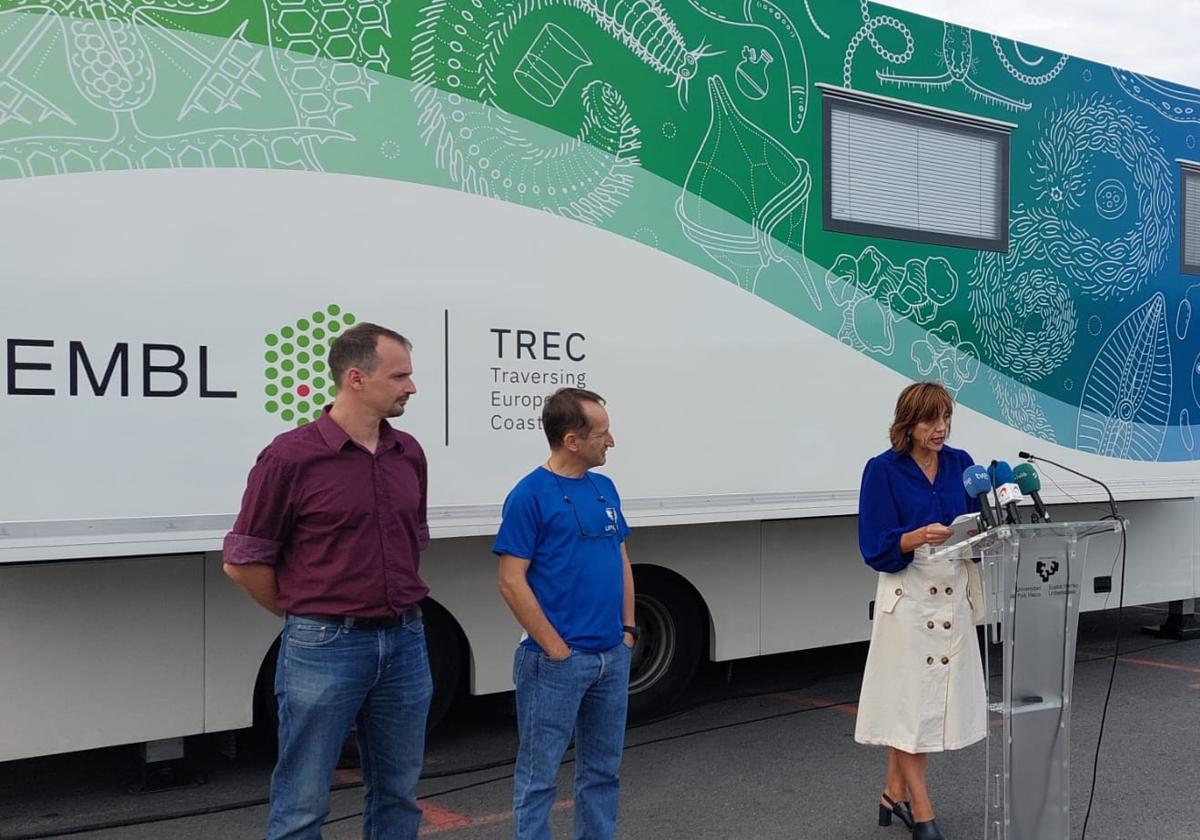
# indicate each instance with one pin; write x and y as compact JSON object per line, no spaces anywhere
{"x":343,"y":528}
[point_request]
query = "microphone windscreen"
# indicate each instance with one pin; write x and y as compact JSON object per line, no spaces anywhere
{"x":1027,"y":478}
{"x":976,"y":481}
{"x":1000,"y":473}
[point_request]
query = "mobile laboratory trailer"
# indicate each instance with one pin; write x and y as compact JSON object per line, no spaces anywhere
{"x":746,"y":224}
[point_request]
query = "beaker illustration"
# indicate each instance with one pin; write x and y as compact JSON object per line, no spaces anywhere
{"x":548,"y":66}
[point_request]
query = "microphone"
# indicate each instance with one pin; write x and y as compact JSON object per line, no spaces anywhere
{"x":1008,"y":493}
{"x":1112,"y":503}
{"x":978,"y":485}
{"x":995,"y":495}
{"x":1027,"y":479}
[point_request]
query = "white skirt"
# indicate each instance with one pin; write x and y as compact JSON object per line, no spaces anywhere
{"x":923,"y":688}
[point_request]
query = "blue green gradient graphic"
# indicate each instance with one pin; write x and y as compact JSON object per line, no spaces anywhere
{"x":694,"y":127}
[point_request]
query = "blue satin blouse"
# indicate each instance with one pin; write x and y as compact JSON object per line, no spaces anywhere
{"x":896,"y":497}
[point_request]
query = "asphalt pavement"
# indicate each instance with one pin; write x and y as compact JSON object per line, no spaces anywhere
{"x":757,"y":749}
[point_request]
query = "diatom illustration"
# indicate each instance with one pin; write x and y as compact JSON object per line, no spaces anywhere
{"x":1078,"y":140}
{"x":1126,"y":399}
{"x":1183,"y":315}
{"x":1021,"y":306}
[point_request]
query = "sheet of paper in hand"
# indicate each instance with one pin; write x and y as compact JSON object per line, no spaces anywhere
{"x":964,"y":527}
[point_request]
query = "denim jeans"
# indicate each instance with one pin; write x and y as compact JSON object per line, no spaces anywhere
{"x":587,"y":694}
{"x":327,"y":679}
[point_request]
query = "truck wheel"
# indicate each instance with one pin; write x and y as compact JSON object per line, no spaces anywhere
{"x":447,"y":649}
{"x":447,"y":653}
{"x":266,"y":713}
{"x":665,"y":658}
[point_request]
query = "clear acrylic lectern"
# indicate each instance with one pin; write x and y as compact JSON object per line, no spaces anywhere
{"x":1031,"y":576}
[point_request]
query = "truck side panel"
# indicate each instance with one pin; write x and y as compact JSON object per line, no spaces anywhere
{"x":237,"y":635}
{"x":100,"y":653}
{"x":815,"y":586}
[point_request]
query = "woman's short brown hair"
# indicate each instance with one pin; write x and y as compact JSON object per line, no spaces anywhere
{"x":917,"y":403}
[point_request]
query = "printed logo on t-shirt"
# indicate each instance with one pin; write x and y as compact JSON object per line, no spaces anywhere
{"x":611,"y":527}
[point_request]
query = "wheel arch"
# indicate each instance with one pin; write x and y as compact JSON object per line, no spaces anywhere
{"x":664,"y":573}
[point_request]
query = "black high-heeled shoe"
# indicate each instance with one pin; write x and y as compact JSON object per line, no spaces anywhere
{"x":927,"y":831}
{"x":901,"y":810}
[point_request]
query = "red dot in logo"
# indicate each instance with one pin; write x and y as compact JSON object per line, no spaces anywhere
{"x":303,"y":390}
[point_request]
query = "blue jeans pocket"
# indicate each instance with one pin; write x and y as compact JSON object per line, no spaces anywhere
{"x":311,"y":634}
{"x":556,"y":672}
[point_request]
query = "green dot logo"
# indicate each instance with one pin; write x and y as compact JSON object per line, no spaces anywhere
{"x":299,"y":351}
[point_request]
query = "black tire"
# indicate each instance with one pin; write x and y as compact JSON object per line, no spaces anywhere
{"x":266,"y":711}
{"x":671,"y":618}
{"x":447,"y":651}
{"x":447,"y":656}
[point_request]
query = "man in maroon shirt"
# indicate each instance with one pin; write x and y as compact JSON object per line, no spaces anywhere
{"x":329,"y":536}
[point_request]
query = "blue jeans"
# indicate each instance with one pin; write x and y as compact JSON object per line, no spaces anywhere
{"x":587,"y":693}
{"x":327,"y":679}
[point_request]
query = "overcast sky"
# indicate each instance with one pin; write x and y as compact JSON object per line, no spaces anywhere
{"x":1156,"y":37}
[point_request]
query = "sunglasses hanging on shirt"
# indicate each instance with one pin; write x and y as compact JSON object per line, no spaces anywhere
{"x":609,"y":529}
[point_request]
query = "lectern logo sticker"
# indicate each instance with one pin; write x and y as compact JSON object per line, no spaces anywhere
{"x":298,"y":384}
{"x":1047,"y":570}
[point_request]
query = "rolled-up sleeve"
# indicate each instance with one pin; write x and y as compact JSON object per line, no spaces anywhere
{"x":879,"y":526}
{"x":265,"y":519}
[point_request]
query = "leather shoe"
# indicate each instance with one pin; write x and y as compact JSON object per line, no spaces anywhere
{"x":901,"y":810}
{"x":927,"y":831}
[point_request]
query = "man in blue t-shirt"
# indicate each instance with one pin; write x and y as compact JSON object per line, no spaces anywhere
{"x":565,"y":575}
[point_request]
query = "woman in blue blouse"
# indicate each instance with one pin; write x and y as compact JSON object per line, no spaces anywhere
{"x":923,"y":688}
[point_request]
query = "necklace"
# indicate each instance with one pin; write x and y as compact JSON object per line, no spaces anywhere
{"x":556,"y":474}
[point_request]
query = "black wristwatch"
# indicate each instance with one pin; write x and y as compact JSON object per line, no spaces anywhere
{"x":636,"y":632}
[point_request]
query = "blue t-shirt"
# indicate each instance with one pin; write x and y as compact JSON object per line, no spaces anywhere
{"x":570,"y":530}
{"x":896,"y":497}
